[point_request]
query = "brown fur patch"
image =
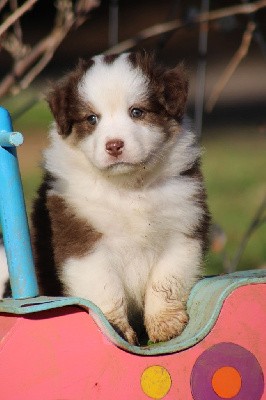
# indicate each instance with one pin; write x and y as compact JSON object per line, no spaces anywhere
{"x":57,"y":235}
{"x":72,"y":236}
{"x":168,"y":87}
{"x":83,"y":128}
{"x":110,"y":58}
{"x":65,"y":102}
{"x":48,"y":279}
{"x":155,"y":115}
{"x":201,"y":232}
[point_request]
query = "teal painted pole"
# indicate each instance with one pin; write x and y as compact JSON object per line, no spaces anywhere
{"x":13,"y":217}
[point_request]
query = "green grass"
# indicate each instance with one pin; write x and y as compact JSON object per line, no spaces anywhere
{"x":234,"y":166}
{"x":30,"y":184}
{"x":36,"y":119}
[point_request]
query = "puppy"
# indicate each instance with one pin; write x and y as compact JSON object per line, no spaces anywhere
{"x":121,"y":216}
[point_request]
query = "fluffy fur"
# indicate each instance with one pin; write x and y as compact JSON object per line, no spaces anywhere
{"x":121,"y":217}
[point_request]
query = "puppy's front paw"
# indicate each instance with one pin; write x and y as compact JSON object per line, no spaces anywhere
{"x":131,"y":336}
{"x":122,"y":327}
{"x":166,"y":324}
{"x":127,"y":333}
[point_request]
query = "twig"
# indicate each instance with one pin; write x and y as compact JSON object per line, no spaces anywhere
{"x":234,"y":10}
{"x":258,"y":35}
{"x":201,"y":70}
{"x":2,"y":4}
{"x":231,"y":67}
{"x":82,"y":8}
{"x":159,"y":29}
{"x":17,"y":26}
{"x":21,"y":66}
{"x":166,"y":36}
{"x":35,"y":71}
{"x":257,"y":220}
{"x":14,"y":46}
{"x":65,"y":20}
{"x":16,"y":15}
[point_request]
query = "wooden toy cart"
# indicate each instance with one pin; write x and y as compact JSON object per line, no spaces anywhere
{"x":65,"y":349}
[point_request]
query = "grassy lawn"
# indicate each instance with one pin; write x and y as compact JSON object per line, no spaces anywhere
{"x":234,"y":166}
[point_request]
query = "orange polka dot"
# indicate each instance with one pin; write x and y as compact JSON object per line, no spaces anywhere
{"x":226,"y":382}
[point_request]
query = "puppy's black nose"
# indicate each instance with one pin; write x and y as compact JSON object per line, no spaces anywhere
{"x":114,"y":147}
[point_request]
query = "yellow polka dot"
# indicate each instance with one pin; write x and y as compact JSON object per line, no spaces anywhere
{"x":156,"y":382}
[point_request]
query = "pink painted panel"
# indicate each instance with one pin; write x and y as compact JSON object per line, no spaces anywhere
{"x":7,"y":323}
{"x":61,"y":355}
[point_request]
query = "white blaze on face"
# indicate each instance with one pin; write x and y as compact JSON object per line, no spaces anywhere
{"x":112,"y":90}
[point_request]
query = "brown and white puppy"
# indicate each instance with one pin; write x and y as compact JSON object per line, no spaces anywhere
{"x":121,"y":217}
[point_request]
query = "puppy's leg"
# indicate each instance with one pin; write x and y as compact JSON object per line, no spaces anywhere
{"x":117,"y":319}
{"x":168,"y":289}
{"x":94,"y":278}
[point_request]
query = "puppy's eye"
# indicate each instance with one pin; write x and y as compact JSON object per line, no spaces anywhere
{"x":136,"y":112}
{"x":92,"y":119}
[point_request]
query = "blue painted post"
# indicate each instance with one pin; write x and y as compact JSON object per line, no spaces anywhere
{"x":13,"y":217}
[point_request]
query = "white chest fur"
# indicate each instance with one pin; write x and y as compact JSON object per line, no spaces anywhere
{"x":136,"y":225}
{"x":141,"y":215}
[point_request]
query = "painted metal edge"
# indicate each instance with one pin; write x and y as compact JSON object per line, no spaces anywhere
{"x":215,"y":288}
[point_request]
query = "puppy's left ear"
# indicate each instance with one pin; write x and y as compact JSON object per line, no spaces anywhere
{"x":175,"y":91}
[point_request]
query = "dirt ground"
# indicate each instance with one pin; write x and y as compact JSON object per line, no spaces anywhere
{"x":30,"y":153}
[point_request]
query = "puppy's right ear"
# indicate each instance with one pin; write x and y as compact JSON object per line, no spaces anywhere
{"x":175,"y":91}
{"x":64,"y":100}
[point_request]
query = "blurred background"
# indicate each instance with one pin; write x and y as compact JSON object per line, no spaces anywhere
{"x":222,"y":43}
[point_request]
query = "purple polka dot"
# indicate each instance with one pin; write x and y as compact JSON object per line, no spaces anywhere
{"x":227,"y":355}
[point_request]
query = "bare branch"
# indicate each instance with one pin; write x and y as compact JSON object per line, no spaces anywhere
{"x":17,"y":26}
{"x":35,"y":71}
{"x":69,"y":19}
{"x":146,"y":33}
{"x":158,"y":29}
{"x":2,"y":4}
{"x":248,"y":8}
{"x":257,"y":220}
{"x":65,"y":20}
{"x":201,"y":70}
{"x":16,"y":15}
{"x":12,"y":44}
{"x":231,"y":67}
{"x":82,"y":8}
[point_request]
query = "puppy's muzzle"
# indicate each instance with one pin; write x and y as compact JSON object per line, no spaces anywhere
{"x":114,"y":147}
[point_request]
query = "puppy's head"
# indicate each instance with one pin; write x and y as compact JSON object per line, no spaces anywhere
{"x":121,"y":111}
